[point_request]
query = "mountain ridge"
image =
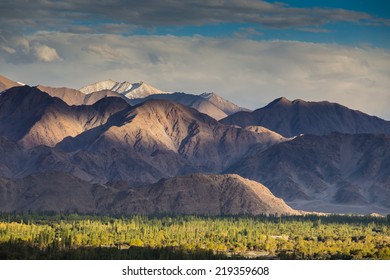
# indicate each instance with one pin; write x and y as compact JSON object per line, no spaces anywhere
{"x":292,"y":118}
{"x":32,"y":117}
{"x":322,"y":173}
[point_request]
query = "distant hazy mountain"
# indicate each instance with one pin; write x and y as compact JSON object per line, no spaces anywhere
{"x":68,"y":95}
{"x":76,"y":97}
{"x":210,"y":104}
{"x":292,"y":118}
{"x":195,"y":194}
{"x":130,"y":90}
{"x":224,"y":105}
{"x":333,"y":173}
{"x":136,"y":93}
{"x":207,"y":103}
{"x":6,"y":83}
{"x":190,"y":100}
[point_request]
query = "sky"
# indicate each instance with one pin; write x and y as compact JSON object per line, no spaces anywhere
{"x":248,"y":51}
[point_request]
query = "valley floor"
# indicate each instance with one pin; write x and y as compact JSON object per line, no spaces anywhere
{"x":72,"y":236}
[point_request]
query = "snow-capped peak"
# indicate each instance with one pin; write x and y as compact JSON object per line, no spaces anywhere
{"x":130,"y":90}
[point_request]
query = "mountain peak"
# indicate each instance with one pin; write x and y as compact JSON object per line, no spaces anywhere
{"x":224,"y":105}
{"x":281,"y":101}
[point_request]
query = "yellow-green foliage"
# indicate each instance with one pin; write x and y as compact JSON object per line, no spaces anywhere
{"x":284,"y":237}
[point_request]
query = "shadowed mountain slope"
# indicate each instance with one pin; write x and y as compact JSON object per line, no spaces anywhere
{"x":292,"y":118}
{"x":31,"y":117}
{"x":156,"y":132}
{"x":112,"y":141}
{"x":194,"y":194}
{"x":334,"y":173}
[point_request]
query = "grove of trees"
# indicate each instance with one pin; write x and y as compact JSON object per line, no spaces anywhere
{"x":73,"y":236}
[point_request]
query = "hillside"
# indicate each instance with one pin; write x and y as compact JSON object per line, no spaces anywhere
{"x":31,"y":117}
{"x":340,"y":173}
{"x":194,"y":194}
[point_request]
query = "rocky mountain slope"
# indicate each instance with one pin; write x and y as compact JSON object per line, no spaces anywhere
{"x":334,"y":173}
{"x":212,"y":195}
{"x":292,"y":118}
{"x":111,"y":140}
{"x":155,"y":132}
{"x":194,"y":194}
{"x":32,"y":117}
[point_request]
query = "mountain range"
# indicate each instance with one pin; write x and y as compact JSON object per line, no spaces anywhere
{"x":136,"y":93}
{"x":340,"y":173}
{"x":110,"y":149}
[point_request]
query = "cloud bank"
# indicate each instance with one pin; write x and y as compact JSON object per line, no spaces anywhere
{"x":250,"y":73}
{"x":122,"y":16}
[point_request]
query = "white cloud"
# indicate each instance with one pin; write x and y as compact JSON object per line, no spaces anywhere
{"x":106,"y":52}
{"x":45,"y":53}
{"x":8,"y":50}
{"x":250,"y":73}
{"x":24,"y":50}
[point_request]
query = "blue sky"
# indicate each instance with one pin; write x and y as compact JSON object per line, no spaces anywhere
{"x":347,"y":33}
{"x":248,"y":51}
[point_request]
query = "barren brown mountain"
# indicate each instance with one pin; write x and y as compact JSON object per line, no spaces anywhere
{"x":31,"y":117}
{"x":195,"y":194}
{"x":112,"y":141}
{"x":292,"y":118}
{"x":76,"y":97}
{"x":68,"y":95}
{"x":207,"y":103}
{"x":340,"y":173}
{"x":116,"y":155}
{"x":158,"y":132}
